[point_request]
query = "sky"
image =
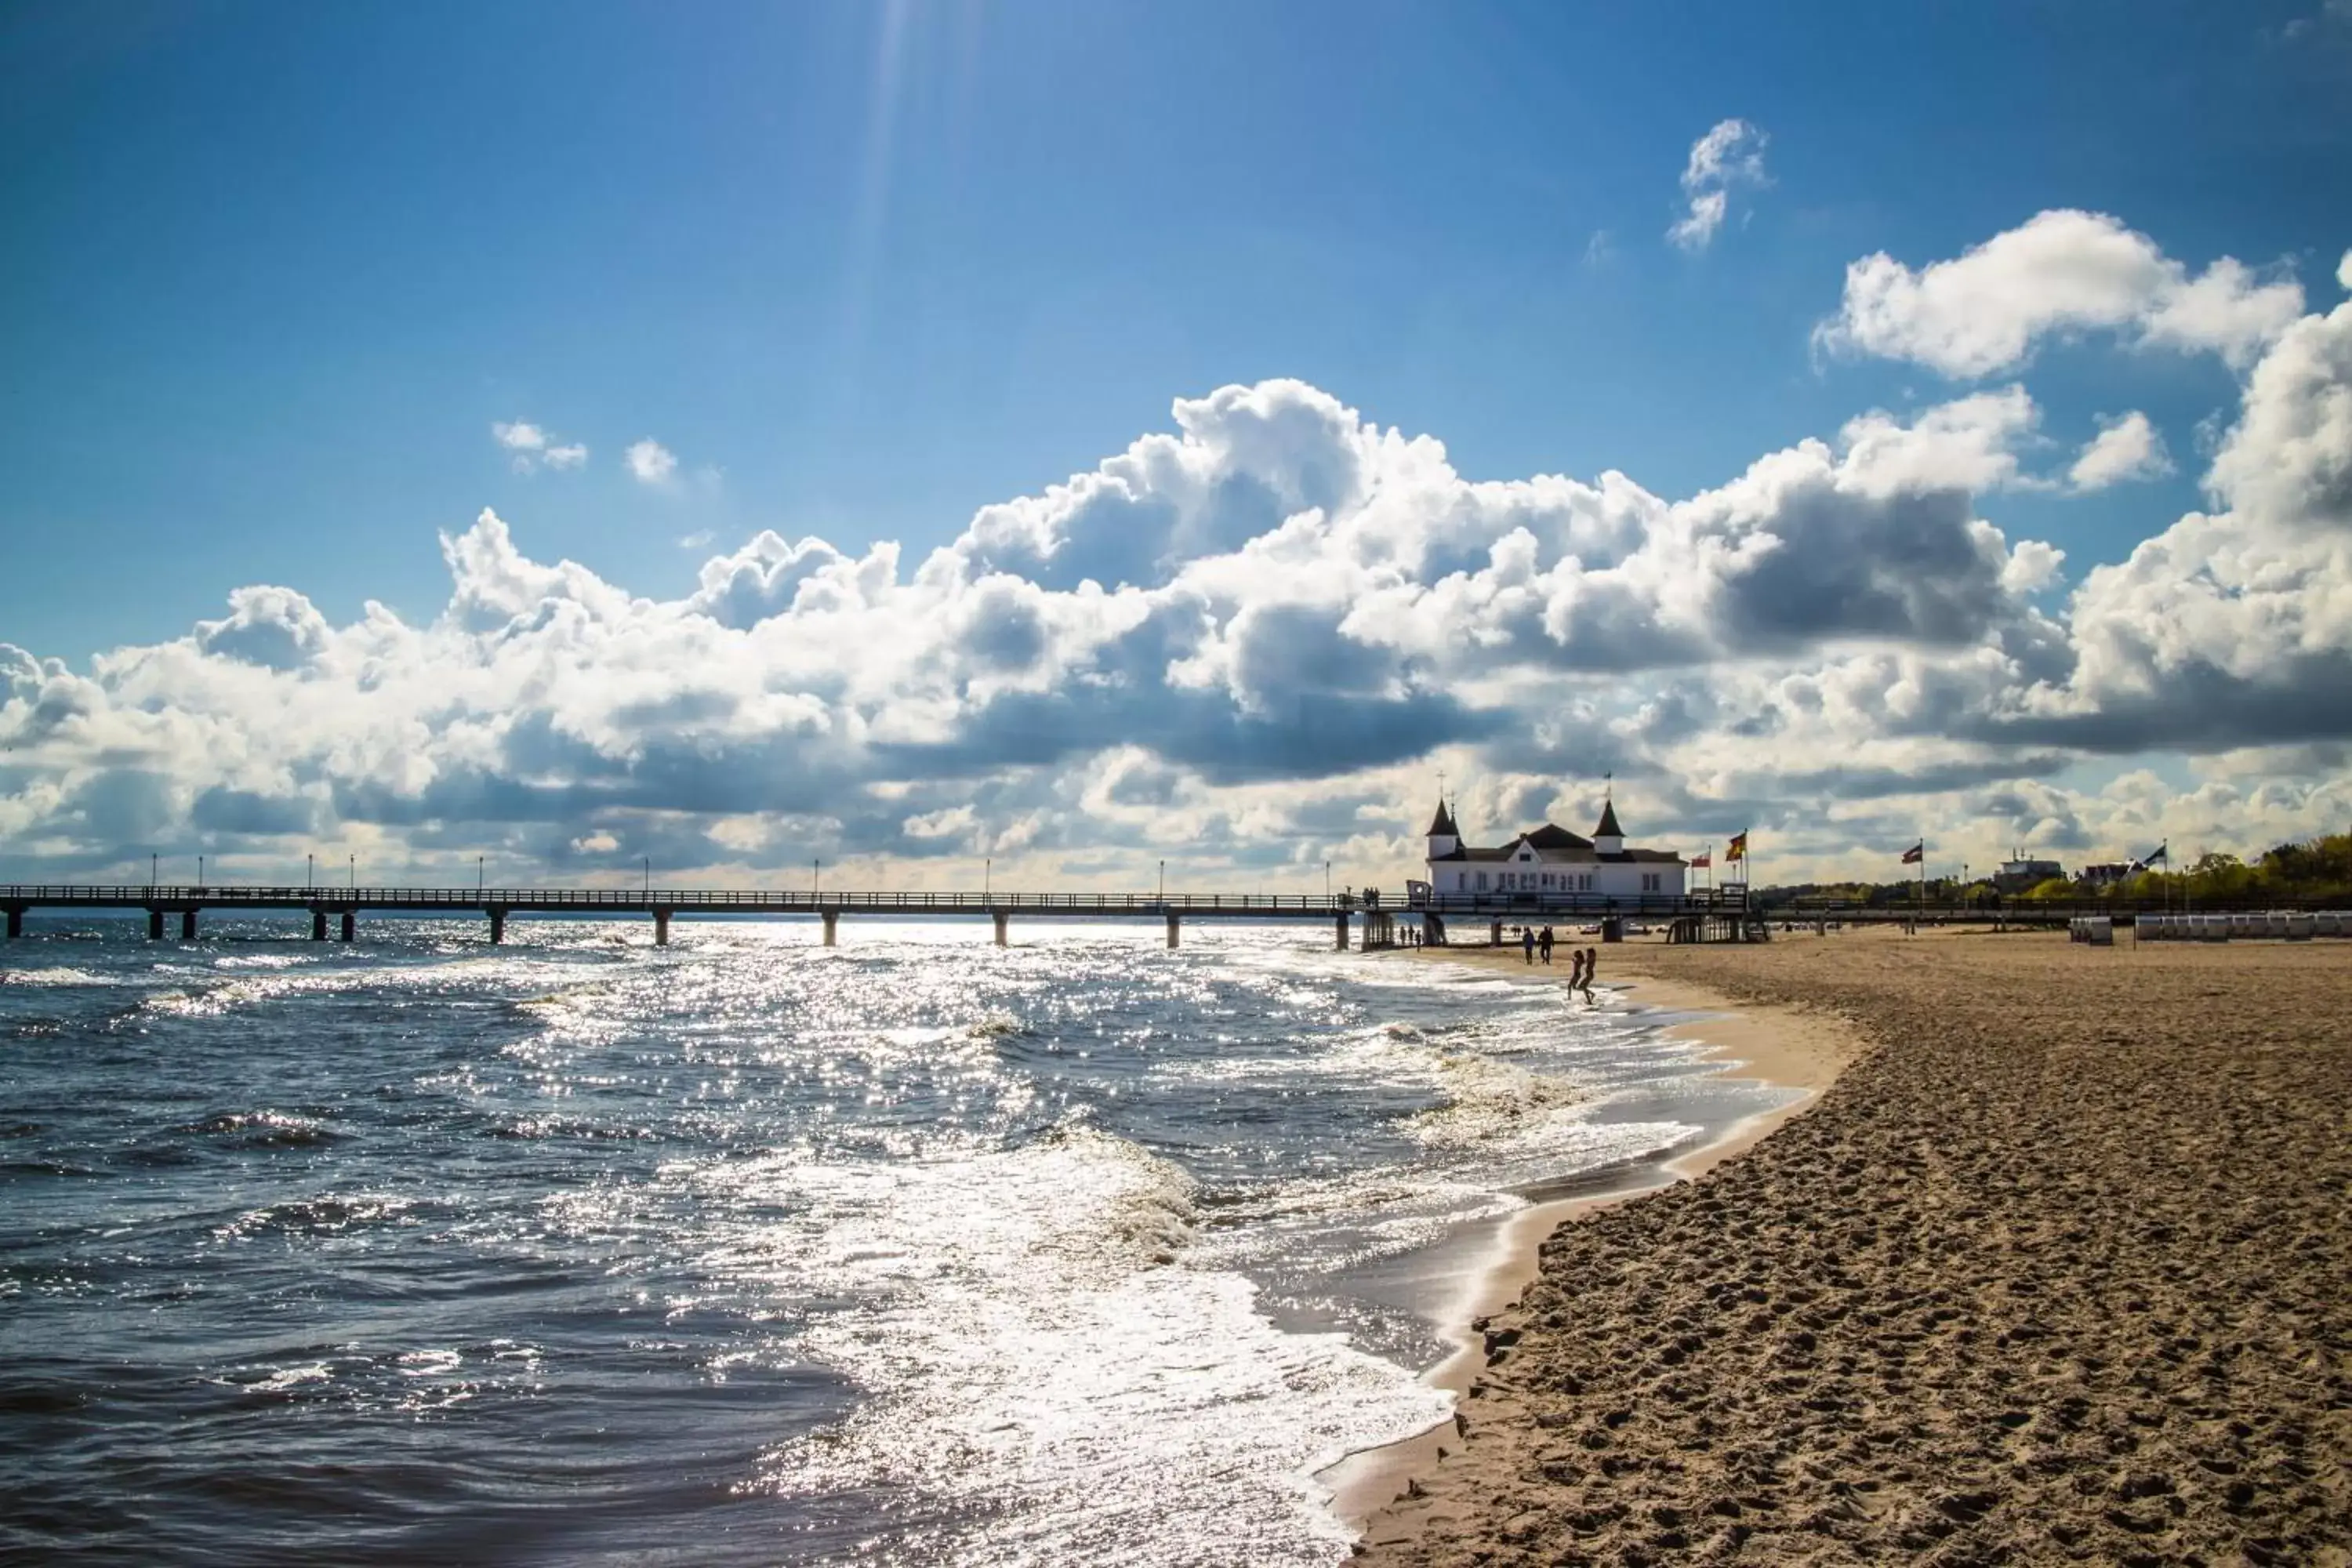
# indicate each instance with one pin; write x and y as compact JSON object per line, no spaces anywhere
{"x":920,"y":433}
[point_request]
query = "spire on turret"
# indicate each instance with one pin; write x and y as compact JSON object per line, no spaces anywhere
{"x":1444,"y":839}
{"x":1608,"y":828}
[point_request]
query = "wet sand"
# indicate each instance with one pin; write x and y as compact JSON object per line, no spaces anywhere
{"x":2061,"y":1269}
{"x":1800,"y":1051}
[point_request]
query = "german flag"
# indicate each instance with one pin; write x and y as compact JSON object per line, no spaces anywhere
{"x":1737,"y":848}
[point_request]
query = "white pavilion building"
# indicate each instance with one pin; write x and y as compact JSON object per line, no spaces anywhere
{"x":1549,"y":864}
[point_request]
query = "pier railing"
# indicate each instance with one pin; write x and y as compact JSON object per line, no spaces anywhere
{"x":343,"y":905}
{"x":816,"y":899}
{"x":743,"y":899}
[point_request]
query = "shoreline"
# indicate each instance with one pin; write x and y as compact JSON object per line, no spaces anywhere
{"x":1802,"y":1051}
{"x":2023,"y":1285}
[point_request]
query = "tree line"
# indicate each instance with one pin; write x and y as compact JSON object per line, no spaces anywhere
{"x":2318,"y":868}
{"x":2310,"y":869}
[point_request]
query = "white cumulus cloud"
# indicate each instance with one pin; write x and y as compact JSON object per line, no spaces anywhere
{"x":2062,"y":272}
{"x":651,"y":462}
{"x":1728,"y":157}
{"x":533,"y":447}
{"x":2124,"y":449}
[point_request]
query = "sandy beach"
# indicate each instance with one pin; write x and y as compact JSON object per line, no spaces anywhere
{"x":2054,"y":1270}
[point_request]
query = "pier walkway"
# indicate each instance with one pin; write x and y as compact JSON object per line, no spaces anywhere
{"x":339,"y":907}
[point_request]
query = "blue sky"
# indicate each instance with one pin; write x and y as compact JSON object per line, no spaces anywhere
{"x":274,"y":273}
{"x":273,"y":270}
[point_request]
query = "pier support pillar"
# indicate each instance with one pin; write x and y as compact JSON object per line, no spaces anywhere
{"x":661,"y":928}
{"x":1494,"y":936}
{"x":1432,"y":931}
{"x":832,"y":919}
{"x":188,"y":925}
{"x":16,"y":922}
{"x":1172,"y":923}
{"x":1341,"y":946}
{"x":498,"y":927}
{"x":351,"y":924}
{"x":154,"y":925}
{"x":318,"y":925}
{"x":1002,"y":921}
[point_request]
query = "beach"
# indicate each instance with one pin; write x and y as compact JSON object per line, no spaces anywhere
{"x":2053,"y":1270}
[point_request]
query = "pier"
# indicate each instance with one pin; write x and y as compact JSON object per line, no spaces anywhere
{"x":337,"y":910}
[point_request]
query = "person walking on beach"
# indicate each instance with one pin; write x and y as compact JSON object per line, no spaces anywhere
{"x":1591,"y":966}
{"x":1575,"y":969}
{"x":1544,"y":942}
{"x":1528,"y":943}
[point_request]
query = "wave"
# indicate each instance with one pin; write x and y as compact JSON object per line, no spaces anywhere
{"x":261,"y":1129}
{"x":59,"y":976}
{"x":1485,"y":1099}
{"x":326,"y":1214}
{"x":1043,"y":1361}
{"x":44,"y":1168}
{"x":1145,"y":1207}
{"x":532,"y":1129}
{"x":212,"y":1000}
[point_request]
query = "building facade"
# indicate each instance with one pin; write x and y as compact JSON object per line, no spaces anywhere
{"x":1548,"y":865}
{"x":2019,"y":874}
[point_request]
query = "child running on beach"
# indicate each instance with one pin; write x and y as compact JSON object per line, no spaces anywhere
{"x":1591,"y":966}
{"x":1575,"y":969}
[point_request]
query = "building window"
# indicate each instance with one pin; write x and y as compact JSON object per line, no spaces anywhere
{"x":1482,"y":881}
{"x":1650,"y":881}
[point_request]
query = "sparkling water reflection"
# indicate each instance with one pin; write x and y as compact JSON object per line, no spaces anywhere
{"x":745,"y":1250}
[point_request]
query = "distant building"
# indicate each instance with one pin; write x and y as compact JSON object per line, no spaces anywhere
{"x":2018,"y":875}
{"x":1550,"y":863}
{"x":2108,"y":875}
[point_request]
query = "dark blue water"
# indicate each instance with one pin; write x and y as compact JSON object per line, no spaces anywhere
{"x":746,"y":1251}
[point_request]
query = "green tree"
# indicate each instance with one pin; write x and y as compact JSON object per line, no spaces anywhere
{"x":2218,"y":875}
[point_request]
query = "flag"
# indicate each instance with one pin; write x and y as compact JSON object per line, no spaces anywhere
{"x":1703,"y":860}
{"x":2161,"y":852}
{"x":1917,"y":853}
{"x":1737,"y":848}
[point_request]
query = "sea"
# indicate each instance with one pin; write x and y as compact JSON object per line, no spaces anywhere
{"x":744,"y":1250}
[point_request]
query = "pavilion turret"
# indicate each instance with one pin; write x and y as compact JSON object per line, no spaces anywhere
{"x":1443,"y":837}
{"x":1609,"y":838}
